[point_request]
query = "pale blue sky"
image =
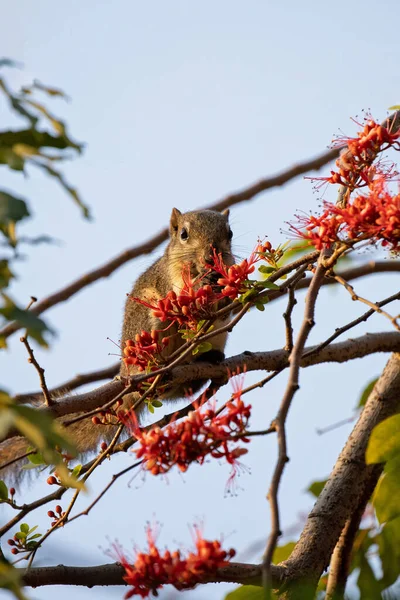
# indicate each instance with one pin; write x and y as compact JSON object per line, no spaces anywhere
{"x":180,"y":103}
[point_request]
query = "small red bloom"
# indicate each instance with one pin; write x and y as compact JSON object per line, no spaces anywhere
{"x":233,"y":277}
{"x":374,"y":215}
{"x":153,"y":569}
{"x":192,"y":304}
{"x":145,"y":350}
{"x":355,"y":164}
{"x":202,"y":433}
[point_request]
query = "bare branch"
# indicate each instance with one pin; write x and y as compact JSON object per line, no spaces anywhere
{"x":274,"y":360}
{"x":340,"y":330}
{"x":111,"y":574}
{"x":280,"y":420}
{"x":71,"y":384}
{"x":374,"y":306}
{"x":340,"y":562}
{"x":110,"y":372}
{"x":47,"y":398}
{"x":345,"y":487}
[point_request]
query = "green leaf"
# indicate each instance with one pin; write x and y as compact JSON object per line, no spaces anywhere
{"x":5,"y":274}
{"x":246,"y":592}
{"x":366,"y":392}
{"x":384,"y":442}
{"x":386,"y":498}
{"x":33,"y":529}
{"x":282,"y":553}
{"x":259,"y":306}
{"x":389,"y":552}
{"x":76,"y":470}
{"x":201,"y":348}
{"x":36,"y":459}
{"x":8,"y":62}
{"x":150,"y":407}
{"x":31,"y":545}
{"x":316,"y":487}
{"x":3,"y":491}
{"x":12,"y":208}
{"x":67,"y":187}
{"x":247,"y":295}
{"x":24,"y":527}
{"x":368,"y":585}
{"x":262,"y":300}
{"x":10,"y":579}
{"x":11,"y":159}
{"x":395,"y":107}
{"x":156,"y":403}
{"x":266,"y":270}
{"x":36,"y":327}
{"x":20,"y":535}
{"x":35,"y":537}
{"x":45,"y":434}
{"x":51,"y":91}
{"x":268,"y":285}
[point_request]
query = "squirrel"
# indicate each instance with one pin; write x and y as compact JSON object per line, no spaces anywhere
{"x":193,"y":237}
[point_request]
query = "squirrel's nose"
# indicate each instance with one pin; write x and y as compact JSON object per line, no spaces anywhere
{"x":208,"y":255}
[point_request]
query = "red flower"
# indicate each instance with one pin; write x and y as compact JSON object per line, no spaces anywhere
{"x":202,"y":433}
{"x":374,"y":215}
{"x":153,"y":569}
{"x":191,"y":305}
{"x":145,"y":351}
{"x":234,"y":277}
{"x":319,"y":231}
{"x":355,"y":165}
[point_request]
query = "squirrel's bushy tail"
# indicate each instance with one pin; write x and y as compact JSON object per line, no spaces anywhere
{"x":85,"y":435}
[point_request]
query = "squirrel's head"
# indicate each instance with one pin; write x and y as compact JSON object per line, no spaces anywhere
{"x":194,"y":235}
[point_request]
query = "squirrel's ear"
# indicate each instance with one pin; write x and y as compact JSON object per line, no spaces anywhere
{"x":174,"y":218}
{"x":225,"y":213}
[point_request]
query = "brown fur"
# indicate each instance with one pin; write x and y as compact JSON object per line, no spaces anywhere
{"x":206,"y":229}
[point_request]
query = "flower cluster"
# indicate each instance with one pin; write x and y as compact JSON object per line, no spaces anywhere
{"x":234,"y":277}
{"x":374,"y":215}
{"x":153,"y":569}
{"x":191,"y":305}
{"x":145,"y":350}
{"x":202,"y":433}
{"x":355,"y":164}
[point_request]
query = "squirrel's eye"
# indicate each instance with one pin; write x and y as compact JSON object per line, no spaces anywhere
{"x":184,"y":234}
{"x":230,"y":234}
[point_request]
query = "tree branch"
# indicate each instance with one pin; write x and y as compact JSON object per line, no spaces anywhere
{"x":105,"y":270}
{"x":274,"y":360}
{"x":341,"y":558}
{"x":341,"y":495}
{"x":292,"y":386}
{"x":111,"y":371}
{"x":71,"y":384}
{"x":111,"y":574}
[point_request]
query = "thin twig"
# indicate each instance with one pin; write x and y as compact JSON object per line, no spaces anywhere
{"x":71,"y":384}
{"x":373,"y":305}
{"x":328,"y":428}
{"x":280,"y":420}
{"x":105,"y":490}
{"x":47,"y":398}
{"x":340,"y":330}
{"x":64,"y":518}
{"x":273,"y":360}
{"x":369,"y":268}
{"x":287,"y":315}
